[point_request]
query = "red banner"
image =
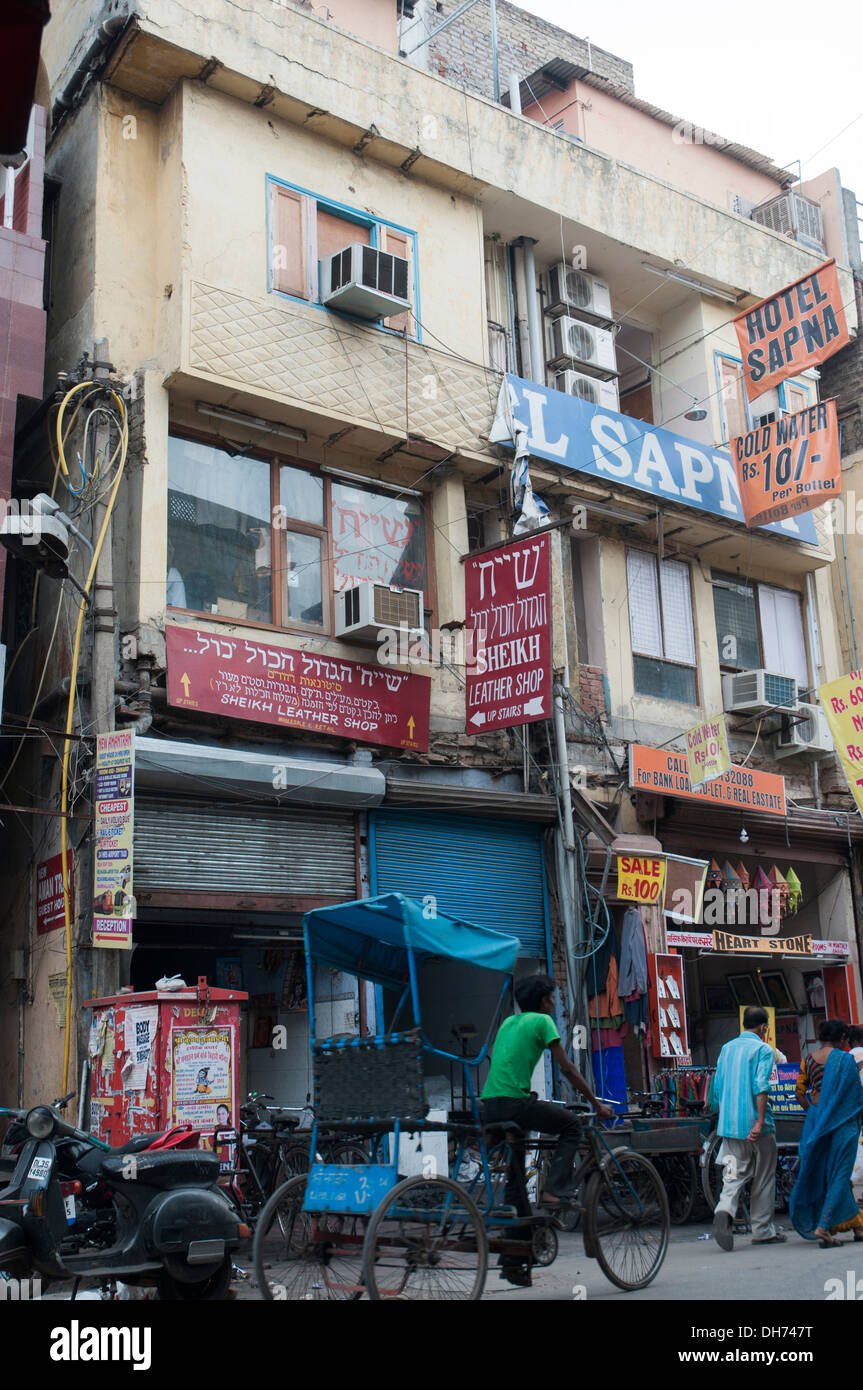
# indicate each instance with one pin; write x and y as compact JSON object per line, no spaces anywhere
{"x":799,"y":327}
{"x":295,"y":689}
{"x":49,"y":893}
{"x":789,"y":465}
{"x":508,"y":607}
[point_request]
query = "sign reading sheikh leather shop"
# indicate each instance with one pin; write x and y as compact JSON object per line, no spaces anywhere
{"x":619,"y":449}
{"x":661,"y":772}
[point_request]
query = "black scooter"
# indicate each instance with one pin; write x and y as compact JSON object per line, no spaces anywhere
{"x":75,"y":1208}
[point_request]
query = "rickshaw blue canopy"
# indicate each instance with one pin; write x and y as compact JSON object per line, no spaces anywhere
{"x":374,"y":937}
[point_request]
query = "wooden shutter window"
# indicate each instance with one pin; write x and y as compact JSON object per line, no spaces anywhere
{"x":290,"y":259}
{"x":400,"y":244}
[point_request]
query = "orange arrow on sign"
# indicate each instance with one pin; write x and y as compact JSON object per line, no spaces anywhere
{"x":411,"y":727}
{"x":185,"y":683}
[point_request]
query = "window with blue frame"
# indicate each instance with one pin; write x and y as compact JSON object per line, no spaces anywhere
{"x":305,"y":230}
{"x":733,"y":405}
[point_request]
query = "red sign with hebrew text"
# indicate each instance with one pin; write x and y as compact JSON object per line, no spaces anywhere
{"x":508,"y":608}
{"x":272,"y":684}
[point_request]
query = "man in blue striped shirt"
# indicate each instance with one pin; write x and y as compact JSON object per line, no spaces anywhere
{"x":741,"y":1087}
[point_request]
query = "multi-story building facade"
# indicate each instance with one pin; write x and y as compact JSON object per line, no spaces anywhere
{"x":283,"y":452}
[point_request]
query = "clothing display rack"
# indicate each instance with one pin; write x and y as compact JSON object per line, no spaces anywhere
{"x":675,"y":1086}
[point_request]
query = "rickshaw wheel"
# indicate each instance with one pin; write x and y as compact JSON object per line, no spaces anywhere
{"x":545,"y":1245}
{"x":426,"y":1241}
{"x":626,"y":1219}
{"x":301,"y":1256}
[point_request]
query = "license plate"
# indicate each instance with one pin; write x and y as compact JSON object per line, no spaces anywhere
{"x":40,"y":1169}
{"x":71,"y":1213}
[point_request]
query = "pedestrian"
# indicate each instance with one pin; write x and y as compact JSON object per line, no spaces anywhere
{"x":855,"y":1042}
{"x":830,"y":1090}
{"x":741,"y":1087}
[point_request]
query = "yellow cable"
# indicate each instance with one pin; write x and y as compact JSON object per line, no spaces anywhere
{"x":61,"y":438}
{"x":70,"y":711}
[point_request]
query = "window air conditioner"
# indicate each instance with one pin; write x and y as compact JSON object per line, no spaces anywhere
{"x":364,"y":609}
{"x":574,"y":291}
{"x":364,"y":281}
{"x":583,"y":344}
{"x":811,"y":736}
{"x":588,"y":388}
{"x":751,"y":692}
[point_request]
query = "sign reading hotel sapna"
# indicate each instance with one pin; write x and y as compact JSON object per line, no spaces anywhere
{"x":796,"y":328}
{"x":508,"y":608}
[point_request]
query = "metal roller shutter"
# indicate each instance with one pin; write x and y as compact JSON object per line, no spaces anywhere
{"x":193,"y":845}
{"x":490,"y":872}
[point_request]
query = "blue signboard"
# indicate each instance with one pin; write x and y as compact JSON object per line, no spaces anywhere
{"x":782,"y":1098}
{"x":337,"y":1187}
{"x":618,"y":449}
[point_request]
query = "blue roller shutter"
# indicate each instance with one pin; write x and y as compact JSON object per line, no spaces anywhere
{"x":491,"y":872}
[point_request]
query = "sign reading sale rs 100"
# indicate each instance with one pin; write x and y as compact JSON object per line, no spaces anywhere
{"x":640,"y":879}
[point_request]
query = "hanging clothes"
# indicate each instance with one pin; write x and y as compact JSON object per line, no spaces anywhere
{"x":633,"y":955}
{"x":606,"y":1005}
{"x":597,"y":965}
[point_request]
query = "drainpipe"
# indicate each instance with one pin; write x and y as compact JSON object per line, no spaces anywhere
{"x":495,"y":61}
{"x":514,"y":93}
{"x":87,"y":69}
{"x":534,"y":322}
{"x":521,"y":308}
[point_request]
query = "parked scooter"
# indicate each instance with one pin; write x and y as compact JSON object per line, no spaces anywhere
{"x":143,"y":1214}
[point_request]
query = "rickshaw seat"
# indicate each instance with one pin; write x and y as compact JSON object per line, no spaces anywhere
{"x":503,"y":1127}
{"x":370,"y":1079}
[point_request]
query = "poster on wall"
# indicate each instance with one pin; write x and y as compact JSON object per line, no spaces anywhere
{"x":796,"y":328}
{"x":139,"y":1034}
{"x":508,"y":613}
{"x":112,"y":884}
{"x":201,"y":1077}
{"x":842,"y":703}
{"x":707,"y":752}
{"x":790,"y":465}
{"x":49,"y":893}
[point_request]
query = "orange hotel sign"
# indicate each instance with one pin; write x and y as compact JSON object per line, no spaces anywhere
{"x":662,"y":772}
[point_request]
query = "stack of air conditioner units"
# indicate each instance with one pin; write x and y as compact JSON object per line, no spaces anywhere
{"x":579,"y":340}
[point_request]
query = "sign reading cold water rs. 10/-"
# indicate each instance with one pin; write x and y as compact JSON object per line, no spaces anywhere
{"x":508,"y":603}
{"x":790,"y":465}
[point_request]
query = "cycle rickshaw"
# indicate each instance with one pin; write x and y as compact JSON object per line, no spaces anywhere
{"x":342,"y":1231}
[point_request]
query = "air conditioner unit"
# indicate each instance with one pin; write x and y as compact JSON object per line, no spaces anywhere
{"x":752,"y":692}
{"x":364,"y":609}
{"x":587,"y":388}
{"x":589,"y":347}
{"x":574,"y":291}
{"x":364,"y":281}
{"x":810,"y":736}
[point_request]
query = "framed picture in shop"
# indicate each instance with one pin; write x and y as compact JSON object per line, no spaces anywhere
{"x":745,"y":989}
{"x":718,"y":999}
{"x":776,"y":992}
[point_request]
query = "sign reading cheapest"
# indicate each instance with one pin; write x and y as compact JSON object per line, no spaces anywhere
{"x":619,"y":449}
{"x":661,"y":772}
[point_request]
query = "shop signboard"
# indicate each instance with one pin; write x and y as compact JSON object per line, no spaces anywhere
{"x":662,"y":772}
{"x":615,"y":448}
{"x":640,"y":878}
{"x":707,"y":752}
{"x":830,"y":948}
{"x":49,"y":893}
{"x":112,"y":885}
{"x":789,"y":465}
{"x":702,"y":940}
{"x":762,"y":945}
{"x":783,"y":1100}
{"x":842,"y":703}
{"x":287,"y":687}
{"x":784,"y":334}
{"x":508,"y":608}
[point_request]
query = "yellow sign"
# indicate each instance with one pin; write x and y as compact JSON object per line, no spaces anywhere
{"x":762,"y":945}
{"x":640,"y":879}
{"x":707,"y":750}
{"x":842,"y":703}
{"x":771,"y":1022}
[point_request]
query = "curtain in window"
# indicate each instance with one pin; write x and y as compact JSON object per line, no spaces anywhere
{"x":644,"y":619}
{"x":677,"y":612}
{"x":782,"y":634}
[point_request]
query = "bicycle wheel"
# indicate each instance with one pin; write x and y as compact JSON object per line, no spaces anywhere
{"x":568,"y":1217}
{"x":348,"y":1155}
{"x":426,"y":1240}
{"x":626,"y":1219}
{"x":294,"y":1159}
{"x":545,"y":1245}
{"x":299,"y":1255}
{"x":680,"y":1177}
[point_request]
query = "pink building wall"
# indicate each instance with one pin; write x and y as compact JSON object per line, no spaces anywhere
{"x":22,"y":317}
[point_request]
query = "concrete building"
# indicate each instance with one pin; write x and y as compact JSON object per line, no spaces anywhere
{"x":282,"y":452}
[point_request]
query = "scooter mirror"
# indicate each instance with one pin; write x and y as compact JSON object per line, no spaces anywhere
{"x":40,"y":1122}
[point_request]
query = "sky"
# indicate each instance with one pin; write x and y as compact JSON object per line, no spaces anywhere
{"x":760,"y":72}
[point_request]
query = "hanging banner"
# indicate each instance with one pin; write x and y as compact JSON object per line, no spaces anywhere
{"x":640,"y":879}
{"x":842,"y":703}
{"x":707,"y":752}
{"x":799,"y":327}
{"x":662,"y":772}
{"x":49,"y":893}
{"x":762,"y":945}
{"x":112,"y":886}
{"x":297,"y":689}
{"x":790,"y":465}
{"x":508,"y":611}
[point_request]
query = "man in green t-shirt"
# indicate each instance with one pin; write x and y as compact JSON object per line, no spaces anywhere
{"x":506,"y":1095}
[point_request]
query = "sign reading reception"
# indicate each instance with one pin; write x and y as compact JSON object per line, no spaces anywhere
{"x":619,"y":449}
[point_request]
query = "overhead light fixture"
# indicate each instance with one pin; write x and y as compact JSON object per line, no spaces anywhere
{"x":696,"y":414}
{"x":370,"y":482}
{"x":743,"y":836}
{"x":689,"y":283}
{"x":251,"y":422}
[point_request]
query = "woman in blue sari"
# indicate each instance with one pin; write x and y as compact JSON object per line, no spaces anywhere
{"x":822,"y":1202}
